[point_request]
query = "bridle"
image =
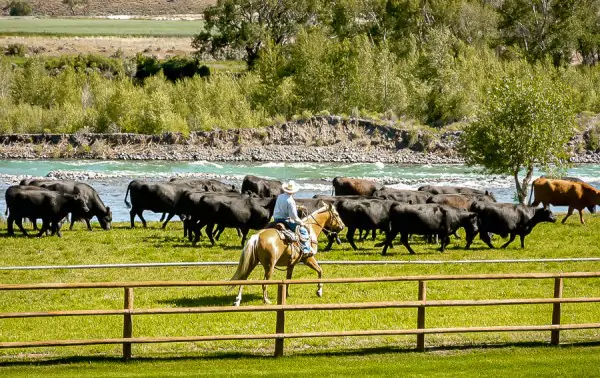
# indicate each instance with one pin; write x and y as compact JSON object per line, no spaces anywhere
{"x":333,"y":216}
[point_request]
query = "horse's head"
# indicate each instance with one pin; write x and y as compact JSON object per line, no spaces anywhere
{"x":333,"y":222}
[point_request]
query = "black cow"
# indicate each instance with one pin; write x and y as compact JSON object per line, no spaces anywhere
{"x":508,"y":219}
{"x":360,"y":213}
{"x":262,"y":187}
{"x":90,"y":196}
{"x":208,"y":185}
{"x":406,"y":196}
{"x":344,"y":186}
{"x":186,"y":207}
{"x":50,"y":206}
{"x":458,"y":201}
{"x":428,"y":219}
{"x":243,"y":212}
{"x":456,"y":190}
{"x":158,"y":197}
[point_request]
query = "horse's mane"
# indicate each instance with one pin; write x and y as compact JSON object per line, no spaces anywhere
{"x":314,"y":213}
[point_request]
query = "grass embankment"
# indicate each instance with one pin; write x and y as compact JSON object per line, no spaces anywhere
{"x":99,"y":27}
{"x":122,"y":245}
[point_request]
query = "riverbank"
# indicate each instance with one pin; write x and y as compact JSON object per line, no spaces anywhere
{"x":317,"y":139}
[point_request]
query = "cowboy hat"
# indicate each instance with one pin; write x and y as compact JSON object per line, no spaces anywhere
{"x":290,"y":187}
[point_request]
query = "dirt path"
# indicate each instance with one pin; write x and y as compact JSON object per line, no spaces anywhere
{"x":54,"y":46}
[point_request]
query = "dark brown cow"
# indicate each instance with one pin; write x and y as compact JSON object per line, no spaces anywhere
{"x":344,"y":186}
{"x":458,"y":201}
{"x":575,"y":195}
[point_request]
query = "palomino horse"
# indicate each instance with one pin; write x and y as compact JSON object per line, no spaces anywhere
{"x":267,"y":248}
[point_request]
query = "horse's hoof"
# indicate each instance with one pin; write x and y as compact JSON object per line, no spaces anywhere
{"x":236,"y":303}
{"x":267,"y":302}
{"x":320,"y":293}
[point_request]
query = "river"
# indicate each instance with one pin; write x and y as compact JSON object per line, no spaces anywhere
{"x":110,"y":178}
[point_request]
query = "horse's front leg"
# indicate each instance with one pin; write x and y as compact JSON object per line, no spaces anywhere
{"x":311,"y":262}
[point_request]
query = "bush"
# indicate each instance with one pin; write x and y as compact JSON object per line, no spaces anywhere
{"x":19,"y":8}
{"x":15,"y":49}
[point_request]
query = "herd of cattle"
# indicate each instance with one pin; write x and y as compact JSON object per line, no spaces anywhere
{"x":363,"y":205}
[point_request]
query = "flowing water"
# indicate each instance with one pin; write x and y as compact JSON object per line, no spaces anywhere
{"x":110,"y":178}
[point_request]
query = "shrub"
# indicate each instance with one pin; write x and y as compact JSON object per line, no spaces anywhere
{"x":19,"y":8}
{"x":15,"y":49}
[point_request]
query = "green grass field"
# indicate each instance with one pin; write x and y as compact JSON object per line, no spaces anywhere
{"x":98,"y":27}
{"x":524,"y":353}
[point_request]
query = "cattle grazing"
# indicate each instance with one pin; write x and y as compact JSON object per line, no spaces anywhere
{"x":508,"y":219}
{"x":428,"y":219}
{"x":406,"y":196}
{"x":87,"y":193}
{"x":456,"y":190}
{"x":243,"y":212}
{"x":50,"y":206}
{"x":556,"y":192}
{"x":262,"y":187}
{"x":575,"y":195}
{"x":344,"y":186}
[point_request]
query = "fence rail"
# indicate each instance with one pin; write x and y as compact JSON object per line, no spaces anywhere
{"x":128,"y":312}
{"x":347,"y":262}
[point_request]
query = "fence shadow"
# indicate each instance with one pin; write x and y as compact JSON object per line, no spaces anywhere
{"x":358,"y":352}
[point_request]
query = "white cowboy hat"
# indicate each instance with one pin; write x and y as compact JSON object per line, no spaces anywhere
{"x":290,"y":187}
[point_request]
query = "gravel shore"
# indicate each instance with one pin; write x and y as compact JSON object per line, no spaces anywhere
{"x":318,"y":139}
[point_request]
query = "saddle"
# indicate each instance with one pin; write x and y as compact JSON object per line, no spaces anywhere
{"x":296,"y":239}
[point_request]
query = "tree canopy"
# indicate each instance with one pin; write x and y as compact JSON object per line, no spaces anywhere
{"x":526,"y":122}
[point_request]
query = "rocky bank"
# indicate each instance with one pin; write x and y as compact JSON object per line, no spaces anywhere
{"x":317,"y":139}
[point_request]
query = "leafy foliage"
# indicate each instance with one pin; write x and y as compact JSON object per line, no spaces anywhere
{"x":526,"y":122}
{"x":19,"y":8}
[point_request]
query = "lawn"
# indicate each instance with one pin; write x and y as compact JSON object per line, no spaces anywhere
{"x":122,"y":245}
{"x":99,"y":27}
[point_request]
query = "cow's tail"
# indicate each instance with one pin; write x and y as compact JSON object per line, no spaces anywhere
{"x":531,"y":194}
{"x":126,"y":194}
{"x":247,"y":260}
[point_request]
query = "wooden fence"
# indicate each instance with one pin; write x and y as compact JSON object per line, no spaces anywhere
{"x":281,"y":308}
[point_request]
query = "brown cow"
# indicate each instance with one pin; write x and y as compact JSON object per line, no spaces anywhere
{"x":344,"y":186}
{"x":575,"y":195}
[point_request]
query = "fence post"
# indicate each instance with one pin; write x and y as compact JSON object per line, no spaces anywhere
{"x":280,"y":325}
{"x":127,"y":323}
{"x":421,"y":316}
{"x":558,"y":290}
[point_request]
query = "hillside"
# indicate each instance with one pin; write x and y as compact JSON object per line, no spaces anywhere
{"x":55,"y":8}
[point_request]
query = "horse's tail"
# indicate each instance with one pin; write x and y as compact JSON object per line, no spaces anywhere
{"x":247,"y":259}
{"x":126,"y":194}
{"x":531,"y":195}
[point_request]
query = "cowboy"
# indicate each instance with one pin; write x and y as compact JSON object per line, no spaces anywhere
{"x":286,"y":212}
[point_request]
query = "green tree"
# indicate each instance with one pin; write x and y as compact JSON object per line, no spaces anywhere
{"x":74,"y":4}
{"x":249,"y":25}
{"x":526,"y":122}
{"x":19,"y":8}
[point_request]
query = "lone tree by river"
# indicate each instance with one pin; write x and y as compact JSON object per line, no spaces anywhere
{"x":525,"y":122}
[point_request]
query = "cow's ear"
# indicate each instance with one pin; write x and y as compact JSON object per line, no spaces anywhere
{"x":410,"y":202}
{"x":108,"y":209}
{"x":472,"y":215}
{"x":321,"y":203}
{"x":487,"y":193}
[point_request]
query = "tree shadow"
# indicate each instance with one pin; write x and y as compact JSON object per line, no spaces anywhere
{"x":213,"y":300}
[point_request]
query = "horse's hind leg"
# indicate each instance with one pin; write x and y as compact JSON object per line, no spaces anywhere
{"x":268,"y":273}
{"x":288,"y":275}
{"x":312,"y":263}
